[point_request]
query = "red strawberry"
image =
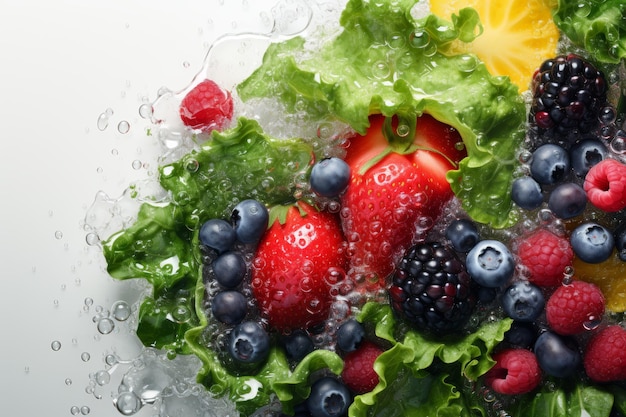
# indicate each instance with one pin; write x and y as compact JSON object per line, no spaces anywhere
{"x":545,"y":256}
{"x":358,"y":372}
{"x":292,"y":266}
{"x":605,"y":355}
{"x":605,"y":185}
{"x":516,"y":372}
{"x":575,"y":308}
{"x":397,"y":189}
{"x":207,"y":107}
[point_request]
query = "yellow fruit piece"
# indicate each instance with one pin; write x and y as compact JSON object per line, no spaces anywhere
{"x":518,"y":35}
{"x":610,"y":276}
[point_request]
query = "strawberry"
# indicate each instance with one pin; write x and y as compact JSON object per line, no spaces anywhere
{"x":575,"y":308}
{"x":605,"y":185}
{"x":206,"y":107}
{"x":397,"y":189}
{"x":545,"y":256}
{"x":294,"y":265}
{"x":358,"y":372}
{"x":516,"y":372}
{"x":605,"y":355}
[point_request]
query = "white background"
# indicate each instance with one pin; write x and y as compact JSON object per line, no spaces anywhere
{"x":63,"y":63}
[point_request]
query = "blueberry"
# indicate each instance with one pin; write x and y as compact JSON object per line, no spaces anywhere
{"x":462,"y":234}
{"x":557,"y":355}
{"x":620,"y":240}
{"x":297,"y":345}
{"x":567,"y":200}
{"x":523,"y":301}
{"x":250,"y":219}
{"x":217,"y":234}
{"x":350,"y":335}
{"x":329,"y":398}
{"x":249,"y":343}
{"x":229,"y":307}
{"x":592,"y":243}
{"x":490,"y":263}
{"x":330,"y":177}
{"x":229,"y":269}
{"x":586,"y":154}
{"x":550,"y":163}
{"x":526,"y":193}
{"x":521,"y":334}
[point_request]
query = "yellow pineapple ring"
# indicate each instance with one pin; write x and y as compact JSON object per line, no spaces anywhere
{"x":518,"y":35}
{"x":610,"y":276}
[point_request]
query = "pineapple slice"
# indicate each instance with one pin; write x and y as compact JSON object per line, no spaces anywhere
{"x":610,"y":276}
{"x":518,"y":35}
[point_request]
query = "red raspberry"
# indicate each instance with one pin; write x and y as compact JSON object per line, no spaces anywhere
{"x":546,"y":256}
{"x":516,"y":372}
{"x":207,"y":107}
{"x":575,"y":308}
{"x":605,"y":185}
{"x":605,"y":355}
{"x":358,"y":371}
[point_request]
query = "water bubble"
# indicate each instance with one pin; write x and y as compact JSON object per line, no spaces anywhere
{"x":103,"y":119}
{"x":145,"y":111}
{"x":111,"y":360}
{"x":123,"y":127}
{"x":380,"y":70}
{"x":58,"y":234}
{"x":85,"y":356}
{"x":84,"y":410}
{"x":136,"y":164}
{"x":403,"y":130}
{"x":88,"y":301}
{"x":102,"y":378}
{"x":420,"y":39}
{"x":68,"y":381}
{"x":92,"y":239}
{"x":56,"y":345}
{"x":105,"y":325}
{"x":75,"y":410}
{"x":121,"y":310}
{"x":592,"y":322}
{"x":128,"y":403}
{"x":467,"y":63}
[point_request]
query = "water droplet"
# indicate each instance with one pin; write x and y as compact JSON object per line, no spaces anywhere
{"x":74,"y":410}
{"x":58,"y":234}
{"x":136,"y":164}
{"x":403,"y":130}
{"x":55,"y":345}
{"x":128,"y":403}
{"x":123,"y":127}
{"x":92,"y":239}
{"x":111,"y":360}
{"x":121,"y":310}
{"x":68,"y":381}
{"x":102,"y":378}
{"x":84,"y":410}
{"x":85,"y":356}
{"x":145,"y":111}
{"x":467,"y":63}
{"x":105,"y":325}
{"x":592,"y":322}
{"x":103,"y":119}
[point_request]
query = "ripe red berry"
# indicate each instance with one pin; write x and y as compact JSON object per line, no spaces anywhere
{"x":575,"y":308}
{"x":545,"y":256}
{"x":358,"y":371}
{"x":605,"y":355}
{"x":516,"y":372}
{"x":605,"y":185}
{"x":207,"y":107}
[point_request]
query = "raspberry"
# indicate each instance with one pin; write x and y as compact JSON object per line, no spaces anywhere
{"x":516,"y":372}
{"x":575,"y":308}
{"x":545,"y":256}
{"x":431,"y":288}
{"x":358,"y":372}
{"x":568,"y":94}
{"x":605,"y":355}
{"x":605,"y":185}
{"x":206,"y":107}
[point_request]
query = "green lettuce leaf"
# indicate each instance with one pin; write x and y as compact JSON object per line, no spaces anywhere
{"x":438,"y":366}
{"x":597,"y":26}
{"x":385,"y":61}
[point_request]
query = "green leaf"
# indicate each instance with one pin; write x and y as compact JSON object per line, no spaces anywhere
{"x":385,"y":61}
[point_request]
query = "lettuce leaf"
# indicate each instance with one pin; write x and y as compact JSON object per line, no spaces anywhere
{"x":597,"y":26}
{"x":386,"y":61}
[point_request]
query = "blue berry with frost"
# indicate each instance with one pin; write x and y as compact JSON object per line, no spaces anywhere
{"x":229,"y":269}
{"x":592,"y":242}
{"x":330,"y":177}
{"x":462,"y":234}
{"x":490,"y":263}
{"x":297,"y":345}
{"x":229,"y":307}
{"x":250,"y":219}
{"x":523,"y":301}
{"x":567,"y":200}
{"x":526,"y":193}
{"x":249,"y":343}
{"x":557,"y":355}
{"x":329,"y":398}
{"x":585,"y":154}
{"x":217,"y":234}
{"x":350,"y":335}
{"x":549,"y":164}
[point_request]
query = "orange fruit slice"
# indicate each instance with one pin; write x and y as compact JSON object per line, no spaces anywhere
{"x":610,"y":276}
{"x":518,"y":35}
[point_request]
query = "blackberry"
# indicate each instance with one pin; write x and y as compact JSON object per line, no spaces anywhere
{"x":569,"y":94}
{"x":431,"y":288}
